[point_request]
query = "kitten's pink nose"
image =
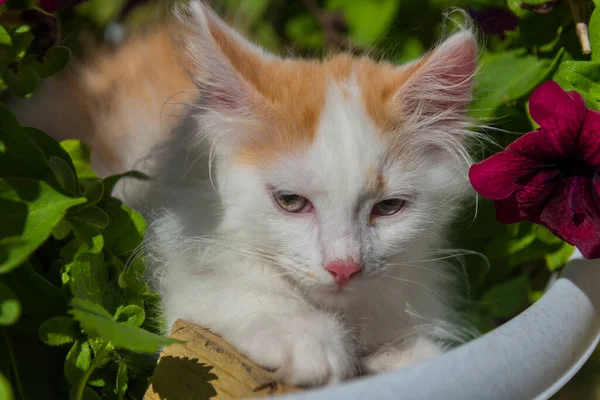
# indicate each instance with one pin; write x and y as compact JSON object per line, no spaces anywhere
{"x":343,"y":271}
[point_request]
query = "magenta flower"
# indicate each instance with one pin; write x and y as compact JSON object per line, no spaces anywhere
{"x":550,"y":176}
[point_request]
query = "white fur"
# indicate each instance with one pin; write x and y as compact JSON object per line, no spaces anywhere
{"x":231,"y":261}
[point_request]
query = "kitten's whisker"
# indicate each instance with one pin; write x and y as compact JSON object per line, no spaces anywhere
{"x":445,"y":301}
{"x":448,"y":277}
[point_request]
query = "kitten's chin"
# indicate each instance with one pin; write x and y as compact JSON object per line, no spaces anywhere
{"x":331,"y":296}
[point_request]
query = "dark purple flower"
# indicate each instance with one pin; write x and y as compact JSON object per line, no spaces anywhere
{"x":550,"y":176}
{"x":494,"y":20}
{"x":56,"y":5}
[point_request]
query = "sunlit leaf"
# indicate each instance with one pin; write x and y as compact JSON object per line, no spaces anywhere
{"x":97,"y":322}
{"x":30,"y":210}
{"x":10,"y":308}
{"x":58,"y":331}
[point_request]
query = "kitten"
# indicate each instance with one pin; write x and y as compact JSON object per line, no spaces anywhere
{"x":299,"y":206}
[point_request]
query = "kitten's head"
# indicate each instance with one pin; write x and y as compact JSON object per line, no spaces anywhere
{"x":337,"y":165}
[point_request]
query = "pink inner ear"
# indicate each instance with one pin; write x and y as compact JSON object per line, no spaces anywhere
{"x":459,"y":55}
{"x":220,"y":56}
{"x":443,"y":82}
{"x":221,"y":98}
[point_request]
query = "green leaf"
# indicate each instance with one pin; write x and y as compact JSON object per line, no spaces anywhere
{"x":49,"y":146}
{"x":545,"y":235}
{"x":5,"y":39}
{"x":30,"y":287}
{"x":250,"y":11}
{"x":594,"y":32}
{"x":88,"y":394}
{"x":88,"y":276}
{"x":130,"y":315}
{"x":5,"y":47}
{"x":368,"y":20}
{"x":31,"y":209}
{"x":88,"y":239}
{"x":21,"y":40}
{"x":84,"y":262}
{"x":131,"y":276}
{"x":304,"y":31}
{"x":508,"y":298}
{"x":560,"y":257}
{"x":21,"y":83}
{"x":505,"y":245}
{"x":62,"y":230}
{"x":535,"y":295}
{"x":5,"y":390}
{"x":97,"y":322}
{"x":126,"y":229}
{"x":58,"y":331}
{"x":509,"y":76}
{"x":582,"y":76}
{"x":10,"y":308}
{"x":54,"y":60}
{"x":19,"y":155}
{"x":512,"y":229}
{"x":121,"y":384}
{"x":93,"y":191}
{"x":101,"y":12}
{"x":515,"y":7}
{"x":533,"y":252}
{"x":77,"y":362}
{"x":80,"y":154}
{"x":111,"y":181}
{"x":92,"y":215}
{"x":64,"y":175}
{"x":412,"y":49}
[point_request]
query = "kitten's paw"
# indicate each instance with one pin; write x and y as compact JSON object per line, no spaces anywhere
{"x":413,"y":352}
{"x":306,"y":350}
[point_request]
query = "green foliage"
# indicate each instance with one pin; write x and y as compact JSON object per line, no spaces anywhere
{"x":57,"y":216}
{"x":71,"y":297}
{"x":23,"y":62}
{"x":73,"y":310}
{"x":379,"y":13}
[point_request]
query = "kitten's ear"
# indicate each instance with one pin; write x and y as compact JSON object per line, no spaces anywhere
{"x":223,"y":64}
{"x":440,"y":85}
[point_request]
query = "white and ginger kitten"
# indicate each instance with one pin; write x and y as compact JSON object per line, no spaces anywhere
{"x":299,"y":207}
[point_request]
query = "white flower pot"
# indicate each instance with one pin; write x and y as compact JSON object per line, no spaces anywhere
{"x":530,"y":357}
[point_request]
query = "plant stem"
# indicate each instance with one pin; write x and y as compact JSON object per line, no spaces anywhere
{"x":579,"y":16}
{"x":89,"y":372}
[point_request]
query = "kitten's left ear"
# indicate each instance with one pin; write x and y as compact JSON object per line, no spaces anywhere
{"x":227,"y":68}
{"x":440,"y":84}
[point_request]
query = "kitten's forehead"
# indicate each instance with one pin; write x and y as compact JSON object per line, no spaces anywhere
{"x":345,"y":159}
{"x":348,"y":152}
{"x":295,"y":96}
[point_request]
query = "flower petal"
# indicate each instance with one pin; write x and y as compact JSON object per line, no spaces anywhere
{"x":573,"y":214}
{"x":589,"y":139}
{"x":533,"y":196}
{"x":497,"y":177}
{"x":560,"y":113}
{"x":540,"y":145}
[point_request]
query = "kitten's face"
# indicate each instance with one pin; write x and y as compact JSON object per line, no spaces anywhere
{"x":345,"y":196}
{"x":342,"y":161}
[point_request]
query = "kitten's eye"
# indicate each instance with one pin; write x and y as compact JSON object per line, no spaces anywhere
{"x":292,"y":202}
{"x":387,"y":207}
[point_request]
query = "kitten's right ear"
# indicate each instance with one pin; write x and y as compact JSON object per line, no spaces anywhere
{"x":225,"y":66}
